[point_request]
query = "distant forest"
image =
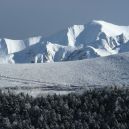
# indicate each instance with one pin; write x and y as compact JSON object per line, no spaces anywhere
{"x":106,"y":108}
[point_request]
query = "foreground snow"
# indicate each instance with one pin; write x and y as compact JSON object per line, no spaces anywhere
{"x":95,"y":39}
{"x":66,"y":77}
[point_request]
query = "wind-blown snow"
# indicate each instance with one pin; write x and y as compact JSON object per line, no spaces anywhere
{"x":95,"y":39}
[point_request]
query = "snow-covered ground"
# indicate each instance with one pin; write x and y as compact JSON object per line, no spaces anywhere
{"x":65,"y":77}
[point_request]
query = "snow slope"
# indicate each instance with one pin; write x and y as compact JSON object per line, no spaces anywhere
{"x":65,"y":77}
{"x":8,"y":47}
{"x":95,"y":39}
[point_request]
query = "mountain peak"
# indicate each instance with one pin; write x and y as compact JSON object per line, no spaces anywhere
{"x":101,"y":22}
{"x":110,"y":29}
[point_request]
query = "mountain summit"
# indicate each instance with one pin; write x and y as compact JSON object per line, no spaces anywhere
{"x":95,"y":39}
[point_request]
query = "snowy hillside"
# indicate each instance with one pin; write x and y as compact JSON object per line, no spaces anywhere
{"x":95,"y":39}
{"x":66,"y":77}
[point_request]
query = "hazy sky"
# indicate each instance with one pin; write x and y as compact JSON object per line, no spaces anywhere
{"x":22,"y":18}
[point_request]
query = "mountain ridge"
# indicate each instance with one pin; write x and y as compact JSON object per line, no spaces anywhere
{"x":95,"y":39}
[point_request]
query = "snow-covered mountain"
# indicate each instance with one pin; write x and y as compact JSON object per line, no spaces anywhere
{"x":95,"y":39}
